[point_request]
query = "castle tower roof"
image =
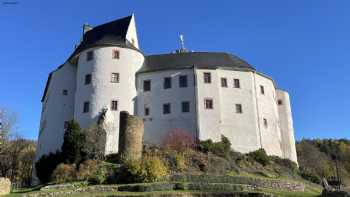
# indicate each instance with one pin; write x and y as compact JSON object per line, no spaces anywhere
{"x":205,"y":60}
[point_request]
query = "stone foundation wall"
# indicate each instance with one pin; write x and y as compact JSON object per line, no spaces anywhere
{"x":131,"y":129}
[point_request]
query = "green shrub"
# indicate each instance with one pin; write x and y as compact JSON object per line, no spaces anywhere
{"x":150,"y":169}
{"x":180,"y":162}
{"x":260,"y":156}
{"x":222,"y":148}
{"x":72,"y":143}
{"x":99,"y":176}
{"x":46,"y":165}
{"x":64,"y":173}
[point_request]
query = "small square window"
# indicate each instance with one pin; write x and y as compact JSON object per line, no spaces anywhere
{"x":262,"y":90}
{"x":65,"y":92}
{"x":115,"y":54}
{"x":224,"y":82}
{"x":208,"y":104}
{"x":167,"y":83}
{"x":114,"y":105}
{"x":115,"y":78}
{"x":239,"y":108}
{"x":89,"y":55}
{"x":237,"y":83}
{"x":280,"y":102}
{"x":147,"y":85}
{"x":207,"y":77}
{"x":185,"y":106}
{"x":87,"y":79}
{"x":166,"y":108}
{"x":265,"y":123}
{"x":146,"y":111}
{"x":182,"y":81}
{"x":86,"y":107}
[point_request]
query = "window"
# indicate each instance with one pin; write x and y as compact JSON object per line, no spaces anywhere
{"x":115,"y":78}
{"x":239,"y":109}
{"x":89,"y":55}
{"x":265,"y":123}
{"x":280,"y":102}
{"x":166,"y":108}
{"x":207,"y":77}
{"x":114,"y":105}
{"x":87,"y":79}
{"x":115,"y":54}
{"x":147,"y":85}
{"x":86,"y":107}
{"x":262,"y":90}
{"x":237,"y":83}
{"x":146,"y":111}
{"x":208,"y":104}
{"x":224,"y":82}
{"x":182,"y":81}
{"x":167,"y":83}
{"x":185,"y":106}
{"x":65,"y":92}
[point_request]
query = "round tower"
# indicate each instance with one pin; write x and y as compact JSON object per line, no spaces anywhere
{"x":107,"y":60}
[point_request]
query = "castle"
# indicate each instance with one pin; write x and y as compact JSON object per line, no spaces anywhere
{"x":206,"y":94}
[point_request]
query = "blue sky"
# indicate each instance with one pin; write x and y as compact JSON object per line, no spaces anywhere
{"x":303,"y":45}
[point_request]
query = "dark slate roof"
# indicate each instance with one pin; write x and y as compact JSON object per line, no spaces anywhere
{"x":108,"y":34}
{"x":209,"y":60}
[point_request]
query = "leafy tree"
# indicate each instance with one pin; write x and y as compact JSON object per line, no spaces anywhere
{"x":46,"y":165}
{"x":73,"y":143}
{"x":94,"y":142}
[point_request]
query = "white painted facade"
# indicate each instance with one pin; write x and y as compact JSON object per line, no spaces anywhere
{"x":262,"y":122}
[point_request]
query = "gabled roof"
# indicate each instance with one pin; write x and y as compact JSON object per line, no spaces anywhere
{"x":108,"y":34}
{"x":209,"y":60}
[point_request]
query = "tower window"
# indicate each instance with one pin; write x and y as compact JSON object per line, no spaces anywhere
{"x":239,"y":109}
{"x":166,"y":108}
{"x":146,"y":111}
{"x":89,"y":55}
{"x":207,"y":77}
{"x":65,"y":92}
{"x":237,"y":83}
{"x":115,"y":78}
{"x":86,"y":107}
{"x":87,"y":79}
{"x":115,"y":54}
{"x":265,"y":123}
{"x":224,"y":82}
{"x":114,"y":105}
{"x":147,"y":85}
{"x":262,"y":90}
{"x":208,"y":103}
{"x":167,"y":83}
{"x":280,"y":102}
{"x":182,"y":81}
{"x":185,"y":106}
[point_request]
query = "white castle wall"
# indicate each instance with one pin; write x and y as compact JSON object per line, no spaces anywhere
{"x":56,"y":109}
{"x":267,"y":109}
{"x":286,"y":124}
{"x":157,"y":124}
{"x":101,"y":91}
{"x":244,"y":137}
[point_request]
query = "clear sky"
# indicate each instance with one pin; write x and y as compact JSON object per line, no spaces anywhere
{"x":303,"y":45}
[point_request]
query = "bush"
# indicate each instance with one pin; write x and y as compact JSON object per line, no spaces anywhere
{"x":179,"y":140}
{"x":150,"y":169}
{"x":260,"y":156}
{"x":222,"y":148}
{"x":64,"y":173}
{"x":99,"y":176}
{"x":87,"y":169}
{"x":180,"y":162}
{"x":46,"y":165}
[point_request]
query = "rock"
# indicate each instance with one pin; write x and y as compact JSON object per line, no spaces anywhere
{"x":5,"y":186}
